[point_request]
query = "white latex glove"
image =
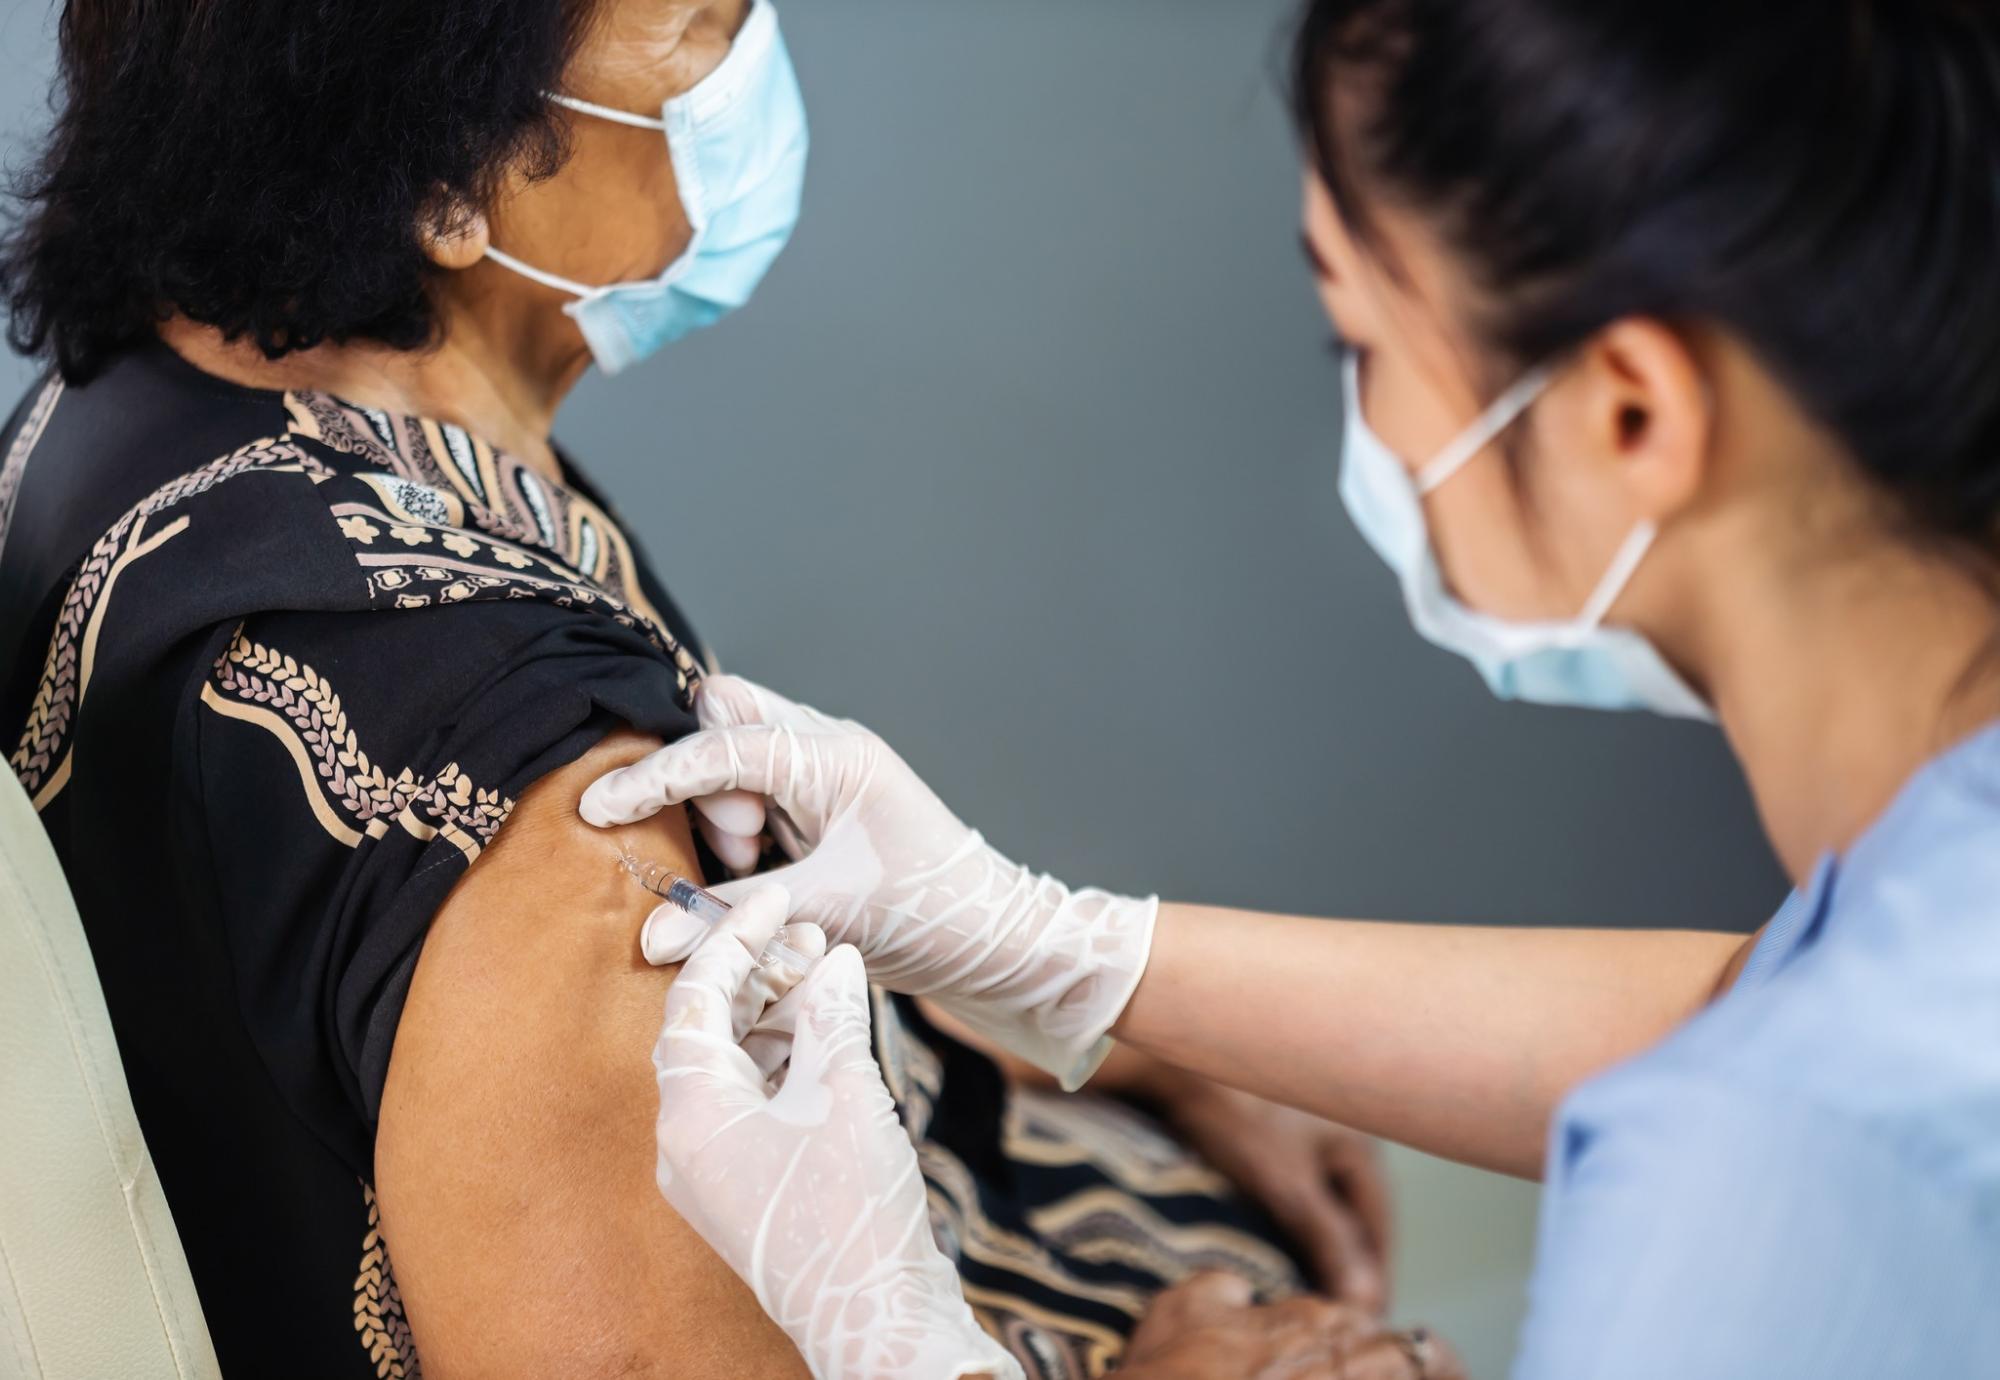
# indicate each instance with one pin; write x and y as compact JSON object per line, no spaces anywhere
{"x":1040,"y":970}
{"x":809,"y":1189}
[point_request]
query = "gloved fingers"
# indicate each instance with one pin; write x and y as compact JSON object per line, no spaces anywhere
{"x":803,"y":883}
{"x":737,"y":852}
{"x":817,"y":896}
{"x":733,"y":812}
{"x":666,"y":776}
{"x":768,"y":1041}
{"x":792,"y":953}
{"x":769,"y":1046}
{"x":832,"y":1055}
{"x":701,"y":999}
{"x":766,"y":760}
{"x":789,"y":877}
{"x":791,"y":839}
{"x":708,"y":1085}
{"x":726,"y":701}
{"x":670,"y":935}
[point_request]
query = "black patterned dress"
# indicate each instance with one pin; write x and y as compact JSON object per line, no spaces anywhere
{"x":277,"y":668}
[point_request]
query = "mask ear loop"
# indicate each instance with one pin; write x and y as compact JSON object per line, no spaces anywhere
{"x":1624,"y":563}
{"x":605,"y":112}
{"x":1632,"y":551}
{"x":1505,"y":411}
{"x":687,"y":176}
{"x":575,"y":289}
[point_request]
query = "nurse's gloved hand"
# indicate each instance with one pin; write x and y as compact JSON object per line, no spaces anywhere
{"x":1040,"y":970}
{"x":793,"y":1165}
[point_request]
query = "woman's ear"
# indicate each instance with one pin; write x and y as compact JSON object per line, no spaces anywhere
{"x":1645,"y":404}
{"x":455,"y":235}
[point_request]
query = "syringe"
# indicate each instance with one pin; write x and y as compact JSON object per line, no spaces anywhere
{"x":669,"y":885}
{"x":704,"y":905}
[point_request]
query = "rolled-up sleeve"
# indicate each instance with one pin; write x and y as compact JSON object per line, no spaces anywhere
{"x":1697,"y":1229}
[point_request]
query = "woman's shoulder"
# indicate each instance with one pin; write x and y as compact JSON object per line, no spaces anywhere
{"x":341,"y":644}
{"x":305,"y":500}
{"x":74,"y":458}
{"x":159,"y":510}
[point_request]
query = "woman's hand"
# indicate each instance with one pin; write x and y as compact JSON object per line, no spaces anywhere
{"x":1320,"y":1182}
{"x":1207,"y":1329}
{"x":791,"y":1163}
{"x":881,"y":864}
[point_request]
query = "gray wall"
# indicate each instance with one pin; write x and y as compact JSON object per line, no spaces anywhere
{"x":1025,"y":455}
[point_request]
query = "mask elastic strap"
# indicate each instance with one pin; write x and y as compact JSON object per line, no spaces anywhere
{"x":1617,"y":576}
{"x":759,"y":31}
{"x":605,"y":112}
{"x":1506,"y":409}
{"x":533,"y":274}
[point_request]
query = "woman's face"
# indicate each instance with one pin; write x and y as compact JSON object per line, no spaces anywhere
{"x":612,"y":213}
{"x":1528,"y":527}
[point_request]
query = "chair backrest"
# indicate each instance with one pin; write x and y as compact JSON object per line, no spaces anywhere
{"x":93,"y":1282}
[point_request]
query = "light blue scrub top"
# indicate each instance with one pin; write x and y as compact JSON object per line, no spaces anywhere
{"x":1804,"y":1181}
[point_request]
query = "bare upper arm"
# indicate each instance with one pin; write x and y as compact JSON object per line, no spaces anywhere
{"x":514,"y":1161}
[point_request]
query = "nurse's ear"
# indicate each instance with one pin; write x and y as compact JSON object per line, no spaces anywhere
{"x":1641,"y":397}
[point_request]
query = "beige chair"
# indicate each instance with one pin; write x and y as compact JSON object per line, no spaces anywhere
{"x":93,"y":1284}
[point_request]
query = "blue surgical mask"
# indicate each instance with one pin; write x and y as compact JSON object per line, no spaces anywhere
{"x":738,"y":145}
{"x":1578,"y":663}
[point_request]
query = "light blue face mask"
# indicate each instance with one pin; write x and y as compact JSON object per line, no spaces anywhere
{"x":738,"y":145}
{"x":1579,"y":663}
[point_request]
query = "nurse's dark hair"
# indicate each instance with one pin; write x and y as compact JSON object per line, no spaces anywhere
{"x":264,"y":166}
{"x":1820,"y":178}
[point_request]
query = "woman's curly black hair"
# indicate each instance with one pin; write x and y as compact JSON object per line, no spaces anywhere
{"x":266,"y":166}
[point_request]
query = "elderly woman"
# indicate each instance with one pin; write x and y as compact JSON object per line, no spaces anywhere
{"x":309,"y":624}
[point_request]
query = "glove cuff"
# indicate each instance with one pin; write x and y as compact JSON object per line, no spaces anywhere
{"x":982,"y":1357}
{"x":1117,"y":979}
{"x":938,"y":1339}
{"x":1063,"y":1027}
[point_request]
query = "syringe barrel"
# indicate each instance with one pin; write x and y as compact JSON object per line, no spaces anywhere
{"x":704,"y":905}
